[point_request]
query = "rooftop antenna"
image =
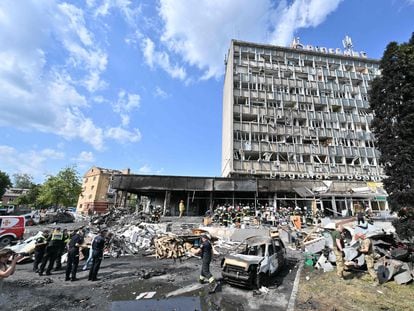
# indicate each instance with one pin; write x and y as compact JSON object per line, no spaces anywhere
{"x":347,"y":43}
{"x":296,"y":43}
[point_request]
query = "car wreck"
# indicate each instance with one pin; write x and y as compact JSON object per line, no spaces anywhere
{"x":255,"y":260}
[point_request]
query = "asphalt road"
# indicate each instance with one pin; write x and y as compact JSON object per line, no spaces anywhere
{"x":123,"y":279}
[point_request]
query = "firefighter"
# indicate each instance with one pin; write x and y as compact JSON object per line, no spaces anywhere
{"x":51,"y":251}
{"x":181,"y":208}
{"x":206,"y":252}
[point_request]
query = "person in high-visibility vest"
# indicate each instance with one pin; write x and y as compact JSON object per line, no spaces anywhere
{"x":181,"y":208}
{"x":54,"y":241}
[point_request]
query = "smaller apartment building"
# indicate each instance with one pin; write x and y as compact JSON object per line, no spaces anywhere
{"x":97,"y":195}
{"x":11,"y":195}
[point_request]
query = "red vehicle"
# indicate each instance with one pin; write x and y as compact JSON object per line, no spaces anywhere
{"x":11,"y":228}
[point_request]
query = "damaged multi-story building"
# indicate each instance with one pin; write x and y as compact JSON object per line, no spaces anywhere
{"x":296,"y":130}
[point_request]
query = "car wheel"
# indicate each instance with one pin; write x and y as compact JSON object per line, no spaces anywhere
{"x":6,"y":240}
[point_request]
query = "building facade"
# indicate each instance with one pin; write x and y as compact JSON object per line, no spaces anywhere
{"x":11,"y":195}
{"x":97,"y":194}
{"x":299,"y":113}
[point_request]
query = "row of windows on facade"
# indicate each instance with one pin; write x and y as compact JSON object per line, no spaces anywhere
{"x":314,"y":124}
{"x":318,"y":104}
{"x":304,"y":115}
{"x":288,"y":139}
{"x":360,"y":94}
{"x":285,"y":158}
{"x":294,"y":58}
{"x":247,"y":73}
{"x":327,"y":70}
{"x":86,"y":179}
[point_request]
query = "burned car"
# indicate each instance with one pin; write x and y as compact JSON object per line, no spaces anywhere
{"x":254,"y":261}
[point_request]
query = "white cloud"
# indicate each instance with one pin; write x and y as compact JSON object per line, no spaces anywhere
{"x":159,"y":92}
{"x":126,"y":103}
{"x":161,"y":59}
{"x":85,"y":157}
{"x":33,"y":162}
{"x":146,"y":169}
{"x":200,"y":30}
{"x":122,"y":135}
{"x":48,"y":59}
{"x":301,"y":14}
{"x":37,"y":88}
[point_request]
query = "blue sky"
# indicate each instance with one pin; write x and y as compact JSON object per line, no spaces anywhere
{"x":138,"y":84}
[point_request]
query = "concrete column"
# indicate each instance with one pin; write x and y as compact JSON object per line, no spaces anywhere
{"x":188,"y":204}
{"x":166,"y":201}
{"x":334,"y":205}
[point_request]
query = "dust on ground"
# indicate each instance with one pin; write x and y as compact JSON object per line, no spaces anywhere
{"x":325,"y":291}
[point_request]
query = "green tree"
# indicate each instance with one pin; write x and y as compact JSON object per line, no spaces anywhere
{"x":4,"y":183}
{"x":30,"y":198}
{"x":24,"y":181}
{"x":61,"y":190}
{"x":392,"y":101}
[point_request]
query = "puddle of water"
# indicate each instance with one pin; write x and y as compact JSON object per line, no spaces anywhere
{"x":176,"y":304}
{"x":132,"y":290}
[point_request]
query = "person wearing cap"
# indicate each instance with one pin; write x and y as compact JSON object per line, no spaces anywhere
{"x":98,"y":245}
{"x":181,"y":208}
{"x":51,"y":251}
{"x":338,"y":245}
{"x":367,"y":249}
{"x":73,"y":256}
{"x":206,"y":252}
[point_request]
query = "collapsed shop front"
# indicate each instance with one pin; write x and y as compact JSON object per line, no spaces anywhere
{"x":202,"y":194}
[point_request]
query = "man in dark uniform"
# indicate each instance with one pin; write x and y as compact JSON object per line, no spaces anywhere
{"x":73,"y":256}
{"x":206,"y":252}
{"x":98,"y":245}
{"x":51,"y":251}
{"x":61,"y":249}
{"x":40,"y":247}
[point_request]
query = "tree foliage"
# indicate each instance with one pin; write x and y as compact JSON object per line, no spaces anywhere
{"x":4,"y":183}
{"x":24,"y":181}
{"x":392,"y":101}
{"x":61,"y":190}
{"x":30,"y":198}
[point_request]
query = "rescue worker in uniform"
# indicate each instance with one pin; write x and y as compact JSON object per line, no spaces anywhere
{"x":206,"y":252}
{"x":51,"y":251}
{"x":61,"y":249}
{"x":40,"y":247}
{"x":73,"y":256}
{"x":338,"y":245}
{"x":181,"y":208}
{"x":98,"y":245}
{"x":367,"y":249}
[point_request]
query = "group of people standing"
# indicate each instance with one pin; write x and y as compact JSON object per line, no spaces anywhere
{"x":365,"y":248}
{"x":50,"y":247}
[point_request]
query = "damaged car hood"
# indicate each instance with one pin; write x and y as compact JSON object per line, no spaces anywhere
{"x":249,"y":259}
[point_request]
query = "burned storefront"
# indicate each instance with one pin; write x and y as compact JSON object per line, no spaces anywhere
{"x":203,"y":194}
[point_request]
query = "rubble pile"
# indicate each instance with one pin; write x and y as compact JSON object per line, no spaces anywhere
{"x":394,"y":259}
{"x":170,"y":246}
